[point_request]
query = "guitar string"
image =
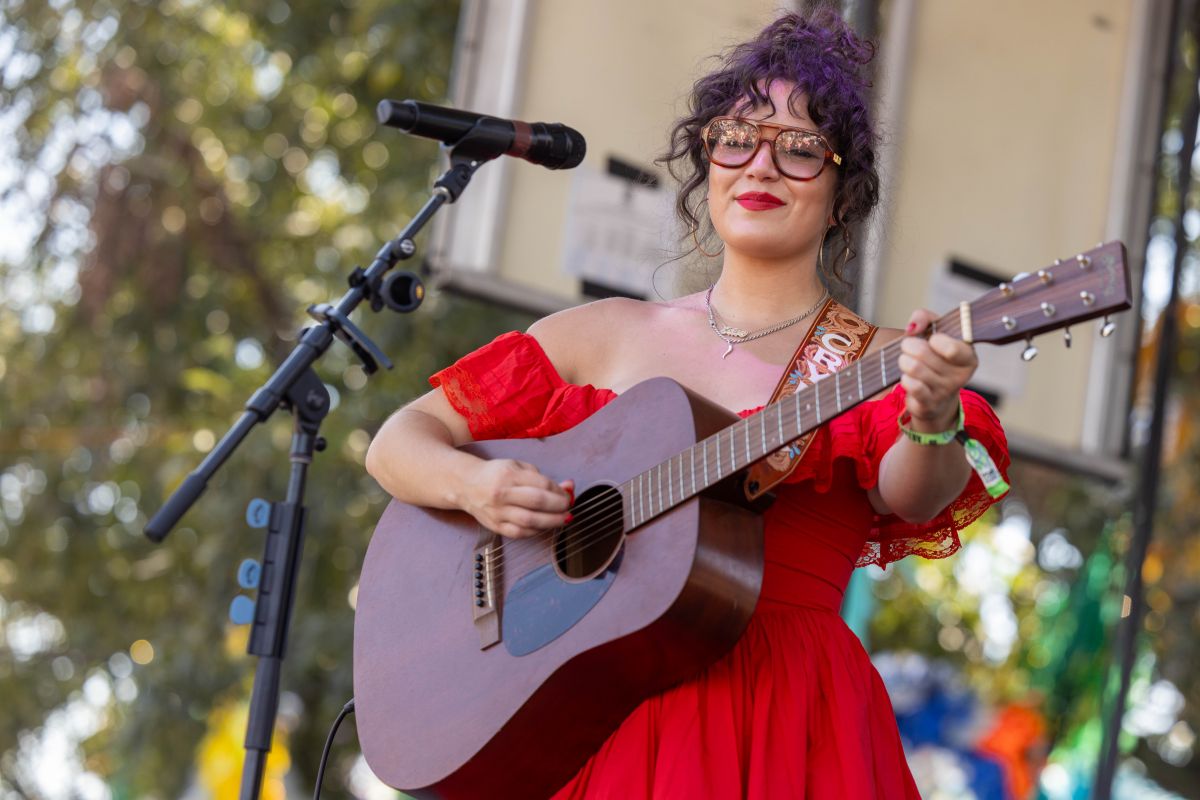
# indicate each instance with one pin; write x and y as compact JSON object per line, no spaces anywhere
{"x":587,"y":537}
{"x":583,"y":542}
{"x":947,"y":324}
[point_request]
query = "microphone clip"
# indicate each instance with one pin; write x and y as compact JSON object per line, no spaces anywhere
{"x":367,"y":351}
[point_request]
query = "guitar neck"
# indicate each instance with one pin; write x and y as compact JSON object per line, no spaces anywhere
{"x":712,"y":460}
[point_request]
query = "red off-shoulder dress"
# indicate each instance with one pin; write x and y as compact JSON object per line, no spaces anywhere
{"x":796,"y":709}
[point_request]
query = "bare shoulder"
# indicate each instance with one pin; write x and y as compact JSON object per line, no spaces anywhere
{"x":587,"y":334}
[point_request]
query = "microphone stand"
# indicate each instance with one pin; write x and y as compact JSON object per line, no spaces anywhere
{"x":296,"y":387}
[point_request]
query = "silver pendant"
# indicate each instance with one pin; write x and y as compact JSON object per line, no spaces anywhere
{"x":733,"y":333}
{"x":728,"y":350}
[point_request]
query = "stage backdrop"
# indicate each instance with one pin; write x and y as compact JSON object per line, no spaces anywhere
{"x":1014,"y":134}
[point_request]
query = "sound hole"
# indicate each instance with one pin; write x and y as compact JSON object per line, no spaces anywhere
{"x":587,"y":545}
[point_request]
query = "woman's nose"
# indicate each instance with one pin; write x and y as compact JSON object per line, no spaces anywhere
{"x":762,"y":163}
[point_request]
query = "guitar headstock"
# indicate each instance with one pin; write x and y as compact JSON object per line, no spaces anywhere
{"x":1089,"y":285}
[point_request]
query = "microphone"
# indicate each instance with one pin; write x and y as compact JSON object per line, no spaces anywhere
{"x":549,"y":144}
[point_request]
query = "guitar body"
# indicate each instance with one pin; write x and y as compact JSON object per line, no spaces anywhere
{"x":510,"y":704}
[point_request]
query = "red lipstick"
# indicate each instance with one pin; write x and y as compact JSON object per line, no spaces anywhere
{"x":758,"y":201}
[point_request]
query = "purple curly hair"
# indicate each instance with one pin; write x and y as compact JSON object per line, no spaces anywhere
{"x":827,"y":62}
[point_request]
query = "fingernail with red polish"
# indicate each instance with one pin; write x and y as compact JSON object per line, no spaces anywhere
{"x":570,"y":518}
{"x":912,"y":327}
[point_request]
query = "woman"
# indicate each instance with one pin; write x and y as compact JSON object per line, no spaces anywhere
{"x":780,"y":146}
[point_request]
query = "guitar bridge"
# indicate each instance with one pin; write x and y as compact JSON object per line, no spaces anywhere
{"x":485,"y":582}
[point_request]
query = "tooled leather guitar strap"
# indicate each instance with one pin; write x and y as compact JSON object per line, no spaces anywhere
{"x":836,"y":338}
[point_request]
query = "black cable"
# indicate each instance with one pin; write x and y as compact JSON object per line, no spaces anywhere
{"x":346,"y":710}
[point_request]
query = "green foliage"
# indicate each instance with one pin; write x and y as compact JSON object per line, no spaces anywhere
{"x":190,"y":177}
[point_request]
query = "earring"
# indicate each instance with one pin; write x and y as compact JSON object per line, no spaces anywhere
{"x":696,"y":238}
{"x":821,"y":251}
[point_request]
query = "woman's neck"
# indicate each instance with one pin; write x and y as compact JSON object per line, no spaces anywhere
{"x":753,"y":293}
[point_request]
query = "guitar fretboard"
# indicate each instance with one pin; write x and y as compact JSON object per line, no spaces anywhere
{"x":708,"y":462}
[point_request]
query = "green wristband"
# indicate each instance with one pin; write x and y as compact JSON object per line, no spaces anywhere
{"x":944,"y":437}
{"x":977,"y":455}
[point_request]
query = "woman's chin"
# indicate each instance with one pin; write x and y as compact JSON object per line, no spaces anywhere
{"x":763,"y":249}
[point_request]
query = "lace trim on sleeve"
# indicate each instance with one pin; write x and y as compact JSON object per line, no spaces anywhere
{"x":892,"y":538}
{"x":509,"y":389}
{"x":863,"y":436}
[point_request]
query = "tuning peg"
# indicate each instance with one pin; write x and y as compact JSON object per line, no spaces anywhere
{"x":1030,"y":352}
{"x":1107,"y":327}
{"x":1067,"y":337}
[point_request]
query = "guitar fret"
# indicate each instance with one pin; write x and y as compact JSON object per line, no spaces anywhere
{"x":670,"y":488}
{"x":649,"y":495}
{"x":706,"y":478}
{"x":746,"y":427}
{"x":662,"y":506}
{"x":779,"y":421}
{"x":647,"y":498}
{"x":718,"y":438}
{"x":681,"y":492}
{"x":658,"y":488}
{"x":883,"y":366}
{"x":693,"y":466}
{"x":762,"y":430}
{"x":650,"y":480}
{"x":649,"y":490}
{"x":642,"y":496}
{"x":861,"y":396}
{"x":837,"y":389}
{"x":817,"y":395}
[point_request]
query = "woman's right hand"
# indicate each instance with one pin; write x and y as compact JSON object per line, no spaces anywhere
{"x":513,"y":499}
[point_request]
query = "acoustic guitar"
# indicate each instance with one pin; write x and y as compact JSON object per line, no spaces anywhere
{"x":487,"y":667}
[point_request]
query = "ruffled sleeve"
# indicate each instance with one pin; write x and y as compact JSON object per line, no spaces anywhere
{"x":892,"y":538}
{"x":863,"y":435}
{"x":509,"y":389}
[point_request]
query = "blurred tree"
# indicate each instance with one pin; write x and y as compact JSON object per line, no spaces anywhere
{"x":178,"y":180}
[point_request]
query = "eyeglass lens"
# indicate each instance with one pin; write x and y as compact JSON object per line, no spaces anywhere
{"x":732,"y":143}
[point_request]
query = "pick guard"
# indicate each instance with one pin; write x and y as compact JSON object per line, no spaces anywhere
{"x":541,"y":606}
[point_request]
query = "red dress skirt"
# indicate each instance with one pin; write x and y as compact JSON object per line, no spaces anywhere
{"x":795,"y":709}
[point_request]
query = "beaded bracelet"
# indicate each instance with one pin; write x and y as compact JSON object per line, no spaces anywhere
{"x":977,"y":455}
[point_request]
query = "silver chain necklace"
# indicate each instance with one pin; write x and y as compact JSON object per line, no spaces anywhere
{"x":731,"y":336}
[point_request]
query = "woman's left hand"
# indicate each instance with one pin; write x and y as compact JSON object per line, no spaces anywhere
{"x":933,"y":371}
